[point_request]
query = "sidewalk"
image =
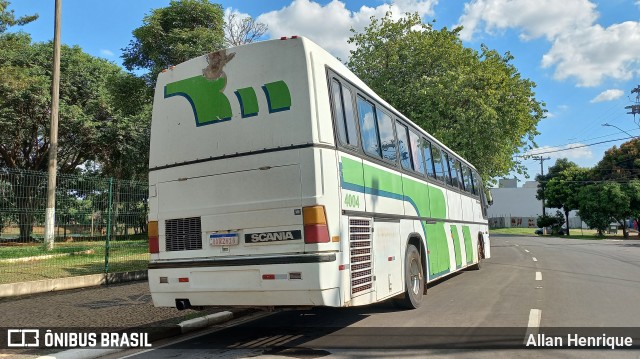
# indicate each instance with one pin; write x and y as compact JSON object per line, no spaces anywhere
{"x":125,"y":305}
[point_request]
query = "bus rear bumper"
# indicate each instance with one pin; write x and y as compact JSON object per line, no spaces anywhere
{"x":290,"y":284}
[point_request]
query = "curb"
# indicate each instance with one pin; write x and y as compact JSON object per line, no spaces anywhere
{"x":184,"y":327}
{"x":83,"y":281}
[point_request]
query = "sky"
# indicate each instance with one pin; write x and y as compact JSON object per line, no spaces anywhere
{"x":584,"y":55}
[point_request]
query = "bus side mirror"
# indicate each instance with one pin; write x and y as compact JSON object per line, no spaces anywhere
{"x":489,"y":197}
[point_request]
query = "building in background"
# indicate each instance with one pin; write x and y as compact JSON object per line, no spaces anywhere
{"x":515,"y":206}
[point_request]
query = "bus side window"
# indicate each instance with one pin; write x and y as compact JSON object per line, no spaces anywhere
{"x":350,"y":119}
{"x":468,"y":183}
{"x":387,"y":137}
{"x":428,"y":161}
{"x":403,"y":145}
{"x":446,"y":161}
{"x":452,"y":171}
{"x":458,"y":167}
{"x":338,"y":110}
{"x":438,"y":163}
{"x":416,"y":152}
{"x":368,"y":127}
{"x":476,"y":184}
{"x":343,"y":112}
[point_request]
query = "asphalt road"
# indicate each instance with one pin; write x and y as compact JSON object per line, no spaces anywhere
{"x":531,"y":285}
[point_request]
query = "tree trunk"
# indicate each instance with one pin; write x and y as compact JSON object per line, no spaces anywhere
{"x":25,"y":223}
{"x":566,"y":216}
{"x":625,"y":234}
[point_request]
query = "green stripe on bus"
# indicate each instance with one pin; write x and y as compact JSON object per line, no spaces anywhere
{"x":207,"y":101}
{"x":456,"y":245}
{"x":278,"y":96}
{"x":428,"y":201}
{"x":248,"y":101}
{"x":466,"y":234}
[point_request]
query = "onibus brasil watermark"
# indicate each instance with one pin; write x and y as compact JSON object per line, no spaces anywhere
{"x":47,"y":338}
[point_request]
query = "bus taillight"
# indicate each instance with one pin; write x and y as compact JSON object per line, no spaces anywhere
{"x":315,"y":225}
{"x":154,"y":241}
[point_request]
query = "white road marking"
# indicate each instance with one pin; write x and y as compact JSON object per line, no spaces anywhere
{"x":538,"y":275}
{"x":535,"y":259}
{"x":533,"y":327}
{"x":526,"y":251}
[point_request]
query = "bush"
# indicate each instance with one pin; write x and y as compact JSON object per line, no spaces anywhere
{"x":555,"y":222}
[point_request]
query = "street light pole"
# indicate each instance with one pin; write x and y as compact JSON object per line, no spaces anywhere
{"x":610,"y":125}
{"x":53,"y":136}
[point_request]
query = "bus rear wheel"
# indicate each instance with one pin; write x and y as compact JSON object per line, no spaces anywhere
{"x":480,"y":255}
{"x":413,"y":280}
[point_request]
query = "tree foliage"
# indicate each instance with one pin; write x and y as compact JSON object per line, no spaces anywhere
{"x":8,"y":17}
{"x":620,"y":163}
{"x":475,"y":102}
{"x":242,"y":30}
{"x":603,"y":203}
{"x":92,"y":104}
{"x":560,"y":186}
{"x":174,"y":34}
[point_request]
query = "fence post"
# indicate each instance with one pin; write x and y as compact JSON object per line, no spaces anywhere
{"x":107,"y":242}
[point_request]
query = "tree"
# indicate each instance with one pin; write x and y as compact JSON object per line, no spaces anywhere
{"x":8,"y":18}
{"x":174,"y":34}
{"x":621,"y":163}
{"x":602,"y":203}
{"x":241,"y":30}
{"x":559,"y":187}
{"x":92,"y":105}
{"x":475,"y":102}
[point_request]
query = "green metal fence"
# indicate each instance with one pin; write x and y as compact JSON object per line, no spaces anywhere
{"x":100,"y":226}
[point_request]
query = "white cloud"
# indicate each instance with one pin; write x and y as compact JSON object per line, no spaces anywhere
{"x":106,"y":53}
{"x":547,"y":18}
{"x":571,"y":151}
{"x":594,"y":53}
{"x":329,"y":25}
{"x":608,"y":95}
{"x":581,"y":49}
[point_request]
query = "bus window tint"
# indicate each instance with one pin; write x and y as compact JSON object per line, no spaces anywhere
{"x":387,"y":138}
{"x":416,"y":152}
{"x":458,"y":167}
{"x":466,"y":176}
{"x":349,"y":117}
{"x":426,"y":147}
{"x":338,"y":111}
{"x":368,"y":128}
{"x":403,"y":145}
{"x":438,"y":164}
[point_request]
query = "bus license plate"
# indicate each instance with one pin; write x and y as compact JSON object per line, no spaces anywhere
{"x":223,"y":239}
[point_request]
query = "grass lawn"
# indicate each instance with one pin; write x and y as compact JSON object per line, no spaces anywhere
{"x":124,"y":255}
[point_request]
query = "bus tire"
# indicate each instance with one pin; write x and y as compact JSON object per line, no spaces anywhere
{"x":477,"y":266}
{"x":413,"y":280}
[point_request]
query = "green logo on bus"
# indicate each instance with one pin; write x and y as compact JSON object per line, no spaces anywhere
{"x":210,"y":105}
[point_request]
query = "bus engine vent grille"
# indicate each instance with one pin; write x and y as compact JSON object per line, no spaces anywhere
{"x":183,"y":234}
{"x":360,"y":239}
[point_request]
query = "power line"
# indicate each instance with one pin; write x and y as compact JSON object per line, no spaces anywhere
{"x":572,"y":148}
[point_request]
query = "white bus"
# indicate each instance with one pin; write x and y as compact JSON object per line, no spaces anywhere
{"x":278,"y":178}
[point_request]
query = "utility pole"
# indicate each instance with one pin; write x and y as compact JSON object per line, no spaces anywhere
{"x":542,"y":159}
{"x":635,"y":108}
{"x":50,"y":216}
